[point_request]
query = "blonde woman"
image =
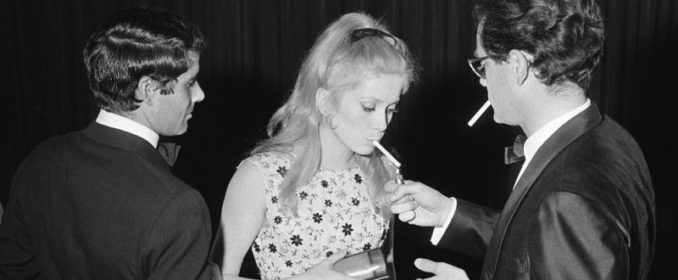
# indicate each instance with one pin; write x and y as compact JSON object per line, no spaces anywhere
{"x":313,"y":191}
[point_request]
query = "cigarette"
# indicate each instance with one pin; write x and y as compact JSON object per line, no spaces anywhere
{"x":386,"y":153}
{"x":479,"y":113}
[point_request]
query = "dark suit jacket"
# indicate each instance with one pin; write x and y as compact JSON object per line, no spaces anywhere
{"x":583,"y":209}
{"x":102,"y":204}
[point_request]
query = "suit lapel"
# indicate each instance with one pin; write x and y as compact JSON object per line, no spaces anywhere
{"x":565,"y":135}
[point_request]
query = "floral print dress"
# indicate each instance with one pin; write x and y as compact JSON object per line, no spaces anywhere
{"x":335,"y":212}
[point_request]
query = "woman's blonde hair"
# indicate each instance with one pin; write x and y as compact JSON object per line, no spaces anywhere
{"x":353,"y":47}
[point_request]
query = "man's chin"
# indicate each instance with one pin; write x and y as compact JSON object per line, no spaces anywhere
{"x":175,"y":132}
{"x":499,"y":120}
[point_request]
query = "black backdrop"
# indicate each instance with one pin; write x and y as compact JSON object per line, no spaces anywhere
{"x":255,"y":50}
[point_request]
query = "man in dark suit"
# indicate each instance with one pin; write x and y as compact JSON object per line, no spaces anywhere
{"x":101,"y":203}
{"x":583,"y":204}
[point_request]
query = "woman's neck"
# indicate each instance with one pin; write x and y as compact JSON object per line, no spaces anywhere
{"x":335,"y":154}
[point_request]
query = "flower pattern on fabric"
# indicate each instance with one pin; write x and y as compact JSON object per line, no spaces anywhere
{"x":296,"y":240}
{"x":282,"y":170}
{"x":347,"y":229}
{"x":335,"y":212}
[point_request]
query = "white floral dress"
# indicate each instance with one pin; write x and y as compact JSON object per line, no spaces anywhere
{"x":335,"y":213}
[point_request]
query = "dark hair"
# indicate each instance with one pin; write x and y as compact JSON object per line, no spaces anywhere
{"x":135,"y":43}
{"x":564,"y":36}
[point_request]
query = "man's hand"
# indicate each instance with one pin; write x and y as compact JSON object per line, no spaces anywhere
{"x":418,"y":204}
{"x":441,"y":270}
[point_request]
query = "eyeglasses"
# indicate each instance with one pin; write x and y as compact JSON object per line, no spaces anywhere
{"x":477,"y":66}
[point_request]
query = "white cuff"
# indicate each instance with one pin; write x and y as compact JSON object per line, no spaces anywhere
{"x":439,"y":231}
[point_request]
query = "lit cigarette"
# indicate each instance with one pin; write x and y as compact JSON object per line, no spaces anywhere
{"x":386,"y":153}
{"x":479,"y":113}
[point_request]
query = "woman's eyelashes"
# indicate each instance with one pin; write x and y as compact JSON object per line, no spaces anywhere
{"x":368,"y":107}
{"x":371,"y":108}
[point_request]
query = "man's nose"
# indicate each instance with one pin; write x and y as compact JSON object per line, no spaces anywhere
{"x":198,"y":94}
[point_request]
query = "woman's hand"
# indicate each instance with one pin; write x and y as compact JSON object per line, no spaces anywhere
{"x":324,"y":270}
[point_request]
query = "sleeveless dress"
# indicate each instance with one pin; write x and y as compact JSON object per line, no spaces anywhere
{"x":335,"y":213}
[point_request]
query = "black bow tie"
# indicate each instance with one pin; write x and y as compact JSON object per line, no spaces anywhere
{"x":514,"y":153}
{"x":169,"y":151}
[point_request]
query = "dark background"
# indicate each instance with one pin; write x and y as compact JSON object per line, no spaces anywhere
{"x":255,"y":50}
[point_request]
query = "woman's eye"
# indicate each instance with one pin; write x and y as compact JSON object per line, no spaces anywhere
{"x":392,"y":110}
{"x":191,"y":83}
{"x":368,"y":109}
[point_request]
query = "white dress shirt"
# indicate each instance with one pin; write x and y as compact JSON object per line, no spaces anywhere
{"x":127,"y":125}
{"x":530,"y":148}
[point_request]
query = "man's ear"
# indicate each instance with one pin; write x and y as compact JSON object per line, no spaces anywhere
{"x":322,"y":101}
{"x":147,"y":90}
{"x":520,"y":66}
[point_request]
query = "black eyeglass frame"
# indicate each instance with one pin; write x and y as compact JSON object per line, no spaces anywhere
{"x":477,"y":66}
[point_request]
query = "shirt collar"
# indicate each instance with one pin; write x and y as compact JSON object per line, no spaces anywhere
{"x":119,"y":122}
{"x":535,"y":140}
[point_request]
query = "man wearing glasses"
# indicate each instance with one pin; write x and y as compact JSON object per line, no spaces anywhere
{"x":583,"y":205}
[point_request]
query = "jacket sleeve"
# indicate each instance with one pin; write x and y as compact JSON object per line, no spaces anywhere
{"x":178,"y":244}
{"x":575,"y":239}
{"x":17,"y":254}
{"x":470,"y":230}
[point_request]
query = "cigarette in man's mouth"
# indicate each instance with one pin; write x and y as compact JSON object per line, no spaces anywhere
{"x":479,"y":113}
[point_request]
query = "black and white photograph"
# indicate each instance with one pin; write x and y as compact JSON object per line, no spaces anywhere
{"x":339,"y":139}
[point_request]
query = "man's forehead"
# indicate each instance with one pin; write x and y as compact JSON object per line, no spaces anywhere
{"x":479,"y":51}
{"x":194,"y":58}
{"x":194,"y":62}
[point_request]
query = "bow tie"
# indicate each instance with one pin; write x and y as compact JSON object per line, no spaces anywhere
{"x":514,"y":153}
{"x":169,"y":152}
